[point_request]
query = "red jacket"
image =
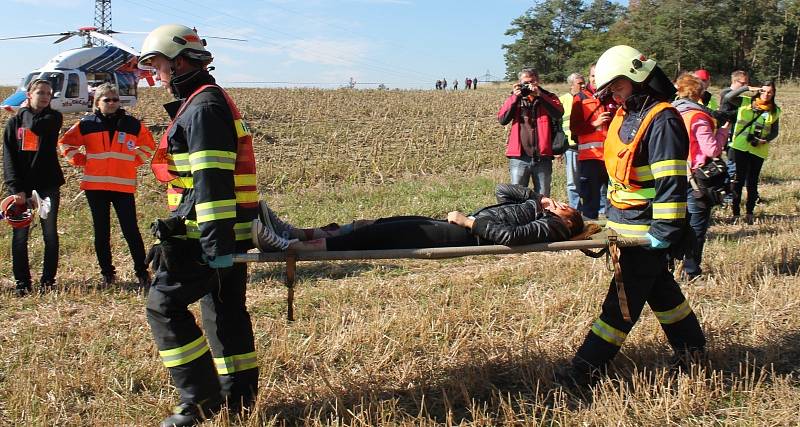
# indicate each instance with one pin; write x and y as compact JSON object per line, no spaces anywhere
{"x":510,"y":112}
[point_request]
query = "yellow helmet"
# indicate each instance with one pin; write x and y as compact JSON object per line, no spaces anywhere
{"x":622,"y":61}
{"x":172,"y":40}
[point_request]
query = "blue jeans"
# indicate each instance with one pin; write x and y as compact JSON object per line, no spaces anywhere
{"x":593,"y":181}
{"x":524,"y":168}
{"x":573,"y":173}
{"x":19,"y":244}
{"x":699,"y":217}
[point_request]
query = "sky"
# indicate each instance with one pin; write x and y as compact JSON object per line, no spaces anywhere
{"x":320,"y":43}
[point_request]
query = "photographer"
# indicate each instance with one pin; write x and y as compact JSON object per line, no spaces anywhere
{"x":532,"y":112}
{"x":756,"y":125}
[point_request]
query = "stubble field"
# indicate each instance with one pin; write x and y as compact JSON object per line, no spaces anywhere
{"x":410,"y":342}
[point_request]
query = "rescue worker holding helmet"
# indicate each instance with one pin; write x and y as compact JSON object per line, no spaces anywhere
{"x":206,"y":155}
{"x":30,"y":162}
{"x":645,"y":156}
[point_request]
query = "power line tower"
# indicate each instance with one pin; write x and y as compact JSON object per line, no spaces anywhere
{"x":102,"y":18}
{"x":488,"y":77}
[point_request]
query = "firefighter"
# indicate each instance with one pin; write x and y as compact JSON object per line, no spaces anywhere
{"x":645,"y":156}
{"x":206,"y":155}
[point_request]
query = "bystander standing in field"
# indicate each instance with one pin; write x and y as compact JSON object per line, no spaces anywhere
{"x":706,"y":142}
{"x":475,"y":83}
{"x":757,"y":124}
{"x":30,"y":162}
{"x":444,"y":84}
{"x":576,"y":84}
{"x":729,"y":102}
{"x":455,"y":84}
{"x":589,"y":126}
{"x":647,"y":200}
{"x":468,"y":83}
{"x":114,"y":145}
{"x":532,"y":111}
{"x":206,"y":155}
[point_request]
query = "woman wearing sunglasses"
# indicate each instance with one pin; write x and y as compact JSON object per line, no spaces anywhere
{"x":114,"y":145}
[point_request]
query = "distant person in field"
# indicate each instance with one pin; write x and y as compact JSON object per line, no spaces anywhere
{"x":206,"y":156}
{"x":444,"y":84}
{"x":475,"y":83}
{"x":757,"y":123}
{"x":730,"y":99}
{"x":30,"y":162}
{"x":468,"y":83}
{"x":520,"y":217}
{"x":114,"y":145}
{"x":706,"y":141}
{"x":438,"y":84}
{"x":455,"y":84}
{"x":576,"y":85}
{"x":532,"y":111}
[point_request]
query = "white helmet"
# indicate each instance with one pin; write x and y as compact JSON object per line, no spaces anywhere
{"x":622,"y":61}
{"x":172,"y":40}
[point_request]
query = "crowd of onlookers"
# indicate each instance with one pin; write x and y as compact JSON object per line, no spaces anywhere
{"x":469,"y":83}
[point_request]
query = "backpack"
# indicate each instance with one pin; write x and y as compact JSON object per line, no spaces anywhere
{"x":709,"y":182}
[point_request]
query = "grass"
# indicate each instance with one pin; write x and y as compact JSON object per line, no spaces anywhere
{"x":413,"y":342}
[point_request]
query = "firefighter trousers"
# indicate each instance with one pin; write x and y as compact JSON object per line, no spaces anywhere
{"x":646,"y":279}
{"x":229,"y":370}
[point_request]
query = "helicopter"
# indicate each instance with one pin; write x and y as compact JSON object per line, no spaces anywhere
{"x":75,"y":73}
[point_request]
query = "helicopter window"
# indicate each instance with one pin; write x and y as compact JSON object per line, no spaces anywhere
{"x":96,"y":79}
{"x":73,"y":86}
{"x":26,"y":80}
{"x":56,"y":80}
{"x":126,"y":83}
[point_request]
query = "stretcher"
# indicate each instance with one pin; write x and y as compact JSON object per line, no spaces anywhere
{"x":593,"y":237}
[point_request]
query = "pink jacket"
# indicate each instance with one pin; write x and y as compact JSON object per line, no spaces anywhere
{"x":510,"y":112}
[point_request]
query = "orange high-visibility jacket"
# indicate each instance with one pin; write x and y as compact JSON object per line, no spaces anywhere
{"x":109,"y":161}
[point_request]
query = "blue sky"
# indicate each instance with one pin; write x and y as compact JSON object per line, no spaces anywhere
{"x":401,"y":43}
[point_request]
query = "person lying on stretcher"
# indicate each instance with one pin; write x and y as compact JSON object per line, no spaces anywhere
{"x":520,"y":217}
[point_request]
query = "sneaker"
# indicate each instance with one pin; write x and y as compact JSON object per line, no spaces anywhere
{"x":190,"y":414}
{"x":280,"y":227}
{"x":264,"y":236}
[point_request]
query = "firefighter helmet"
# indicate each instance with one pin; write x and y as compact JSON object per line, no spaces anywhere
{"x":18,"y":216}
{"x":622,"y":61}
{"x":172,"y":40}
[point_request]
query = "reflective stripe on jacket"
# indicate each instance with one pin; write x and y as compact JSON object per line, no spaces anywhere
{"x":109,"y":162}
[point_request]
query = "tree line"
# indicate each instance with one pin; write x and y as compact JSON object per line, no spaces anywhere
{"x":558,"y":37}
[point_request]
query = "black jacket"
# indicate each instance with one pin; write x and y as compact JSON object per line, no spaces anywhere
{"x":207,"y":125}
{"x":25,"y":171}
{"x":518,"y":219}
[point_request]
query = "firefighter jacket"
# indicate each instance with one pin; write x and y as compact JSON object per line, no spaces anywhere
{"x":646,"y":158}
{"x":517,"y":219}
{"x":543,"y":111}
{"x":753,"y":124}
{"x":207,"y":157}
{"x":30,"y":160}
{"x":114,"y":146}
{"x":590,"y":138}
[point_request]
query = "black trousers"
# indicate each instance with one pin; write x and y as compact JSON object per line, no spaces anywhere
{"x":404,"y":232}
{"x":19,"y":244}
{"x":748,"y":172}
{"x":100,"y":202}
{"x":647,"y":280}
{"x":230,"y":369}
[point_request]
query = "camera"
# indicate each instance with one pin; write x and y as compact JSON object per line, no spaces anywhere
{"x":758,"y":131}
{"x":526,"y":89}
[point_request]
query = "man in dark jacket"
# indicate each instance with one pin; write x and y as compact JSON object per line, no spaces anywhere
{"x":520,"y":217}
{"x":206,"y":155}
{"x":30,"y":162}
{"x":532,"y":111}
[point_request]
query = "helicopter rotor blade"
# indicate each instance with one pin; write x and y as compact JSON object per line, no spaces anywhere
{"x":34,"y":36}
{"x":115,"y":42}
{"x":64,"y":37}
{"x":224,"y":38}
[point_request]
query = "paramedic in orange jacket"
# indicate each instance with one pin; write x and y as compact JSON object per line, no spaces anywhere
{"x":646,"y":155}
{"x":114,"y":145}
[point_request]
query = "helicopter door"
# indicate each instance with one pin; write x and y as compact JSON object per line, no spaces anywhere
{"x":73,"y":86}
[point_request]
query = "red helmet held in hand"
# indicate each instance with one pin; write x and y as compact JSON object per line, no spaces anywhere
{"x":18,"y":216}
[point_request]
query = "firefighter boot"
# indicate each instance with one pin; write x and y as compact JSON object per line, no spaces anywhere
{"x":191,"y":414}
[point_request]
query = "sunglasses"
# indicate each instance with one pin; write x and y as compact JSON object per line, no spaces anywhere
{"x":107,"y":100}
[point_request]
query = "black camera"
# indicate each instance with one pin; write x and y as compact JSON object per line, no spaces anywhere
{"x":526,"y":89}
{"x":758,"y":132}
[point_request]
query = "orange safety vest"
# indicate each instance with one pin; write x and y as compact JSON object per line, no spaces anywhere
{"x":590,"y":145}
{"x":689,"y":118}
{"x":109,"y":163}
{"x":626,"y":191}
{"x":179,"y":177}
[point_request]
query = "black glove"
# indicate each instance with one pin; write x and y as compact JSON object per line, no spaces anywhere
{"x":155,"y":257}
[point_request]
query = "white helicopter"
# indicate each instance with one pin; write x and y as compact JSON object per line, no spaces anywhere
{"x":76,"y":72}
